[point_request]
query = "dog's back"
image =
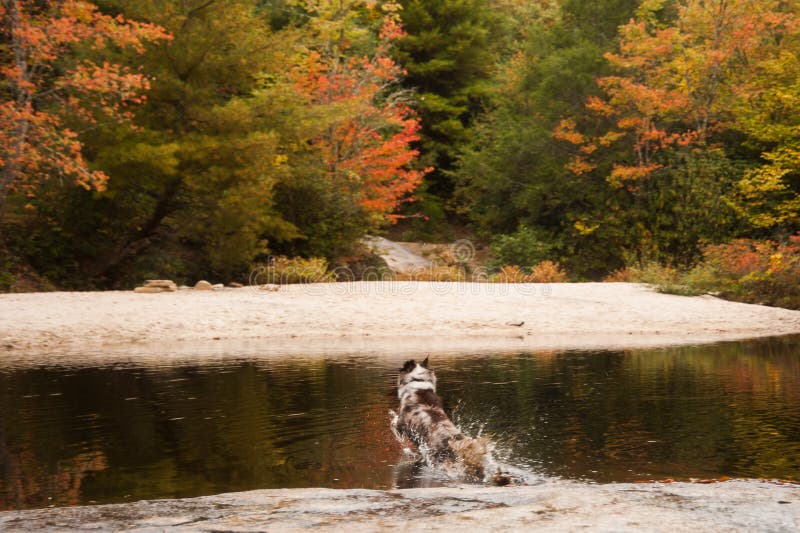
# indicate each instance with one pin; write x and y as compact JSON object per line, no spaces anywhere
{"x":423,"y":420}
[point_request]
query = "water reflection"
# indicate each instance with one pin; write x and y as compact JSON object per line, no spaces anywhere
{"x":727,"y":410}
{"x":122,"y":432}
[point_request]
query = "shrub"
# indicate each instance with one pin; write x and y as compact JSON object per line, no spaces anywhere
{"x":745,"y":270}
{"x":509,"y":274}
{"x":752,"y":271}
{"x":543,"y":272}
{"x":523,"y":247}
{"x":285,"y":270}
{"x":702,"y":279}
{"x":434,"y":273}
{"x":7,"y":280}
{"x":666,"y":279}
{"x":547,"y":272}
{"x":621,"y":275}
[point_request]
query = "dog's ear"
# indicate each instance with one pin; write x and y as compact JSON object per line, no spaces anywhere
{"x":409,"y":366}
{"x":425,"y":363}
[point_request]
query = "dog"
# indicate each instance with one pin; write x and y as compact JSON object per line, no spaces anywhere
{"x":422,"y":420}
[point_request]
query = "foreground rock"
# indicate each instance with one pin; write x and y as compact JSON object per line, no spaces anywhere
{"x":553,"y":506}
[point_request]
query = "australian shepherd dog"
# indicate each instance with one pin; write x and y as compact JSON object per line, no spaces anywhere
{"x":422,"y":420}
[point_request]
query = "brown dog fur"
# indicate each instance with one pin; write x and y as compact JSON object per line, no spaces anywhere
{"x":422,"y":419}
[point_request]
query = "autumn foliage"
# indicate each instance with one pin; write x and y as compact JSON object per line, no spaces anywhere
{"x":368,"y":149}
{"x":676,"y":85}
{"x":195,"y":139}
{"x":757,"y":271}
{"x":46,"y":88}
{"x":747,"y":270}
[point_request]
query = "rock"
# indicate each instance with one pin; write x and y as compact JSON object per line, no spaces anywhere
{"x":218,"y":286}
{"x":165,"y":284}
{"x":184,"y":288}
{"x":551,"y":506}
{"x":157,"y":285}
{"x":203,"y":285}
{"x":235,"y":285}
{"x":151,"y":289}
{"x":269,"y":287}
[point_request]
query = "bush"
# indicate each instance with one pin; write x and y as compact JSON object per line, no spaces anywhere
{"x":523,"y":247}
{"x":764,"y":272}
{"x":509,"y":274}
{"x":544,"y":272}
{"x":702,"y":279}
{"x":284,"y":270}
{"x":434,"y":273}
{"x":654,"y":274}
{"x":547,"y":272}
{"x":664,"y":278}
{"x":621,"y":275}
{"x":745,"y":270}
{"x":7,"y":280}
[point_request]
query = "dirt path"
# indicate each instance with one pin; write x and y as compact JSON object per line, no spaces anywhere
{"x":399,"y":258}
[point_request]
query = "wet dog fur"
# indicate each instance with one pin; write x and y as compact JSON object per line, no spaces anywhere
{"x":422,"y":420}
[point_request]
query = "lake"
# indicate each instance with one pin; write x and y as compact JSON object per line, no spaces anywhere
{"x":74,"y":435}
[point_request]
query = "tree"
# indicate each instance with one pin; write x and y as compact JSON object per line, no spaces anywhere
{"x":668,"y":105}
{"x":44,"y":86}
{"x":252,"y":141}
{"x":450,"y":52}
{"x":673,"y":83}
{"x":766,"y":110}
{"x":347,"y":144}
{"x":366,"y":144}
{"x":511,"y":177}
{"x":191,"y":192}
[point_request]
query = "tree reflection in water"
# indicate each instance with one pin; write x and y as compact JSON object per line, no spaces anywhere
{"x":125,"y":432}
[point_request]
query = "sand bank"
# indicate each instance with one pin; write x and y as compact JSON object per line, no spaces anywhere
{"x":402,"y":317}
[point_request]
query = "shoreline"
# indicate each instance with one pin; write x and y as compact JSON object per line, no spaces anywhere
{"x":407,"y":318}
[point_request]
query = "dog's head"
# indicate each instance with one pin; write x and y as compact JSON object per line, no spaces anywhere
{"x":413,"y":372}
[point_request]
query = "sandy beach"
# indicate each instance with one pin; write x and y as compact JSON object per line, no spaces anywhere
{"x":402,"y":317}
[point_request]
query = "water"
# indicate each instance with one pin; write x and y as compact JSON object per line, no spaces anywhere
{"x":122,"y":432}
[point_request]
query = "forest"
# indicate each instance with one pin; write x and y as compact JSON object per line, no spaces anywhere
{"x":621,"y":140}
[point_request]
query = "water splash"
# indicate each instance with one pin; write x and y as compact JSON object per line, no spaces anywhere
{"x":497,"y":468}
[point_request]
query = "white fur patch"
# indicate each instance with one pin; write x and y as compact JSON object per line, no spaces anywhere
{"x":415,"y":386}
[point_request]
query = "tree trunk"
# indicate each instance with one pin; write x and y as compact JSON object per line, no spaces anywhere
{"x":17,"y":135}
{"x":142,"y":239}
